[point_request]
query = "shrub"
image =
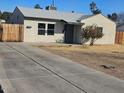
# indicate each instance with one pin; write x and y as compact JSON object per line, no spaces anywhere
{"x":91,"y":32}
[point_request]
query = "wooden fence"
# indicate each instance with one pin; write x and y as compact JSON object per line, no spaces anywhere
{"x":119,"y":37}
{"x":11,"y":32}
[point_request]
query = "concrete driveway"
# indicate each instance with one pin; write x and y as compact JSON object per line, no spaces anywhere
{"x":27,"y":69}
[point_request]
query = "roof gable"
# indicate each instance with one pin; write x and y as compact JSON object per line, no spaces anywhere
{"x":104,"y":17}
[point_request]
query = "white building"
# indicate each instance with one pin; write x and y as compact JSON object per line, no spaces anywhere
{"x":52,"y":25}
{"x":2,"y":21}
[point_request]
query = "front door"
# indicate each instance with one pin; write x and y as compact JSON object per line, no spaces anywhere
{"x":69,"y":33}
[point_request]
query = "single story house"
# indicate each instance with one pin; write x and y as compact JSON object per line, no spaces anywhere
{"x":52,"y":25}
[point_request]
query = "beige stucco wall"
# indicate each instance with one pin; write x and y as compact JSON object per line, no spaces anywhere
{"x":109,"y":28}
{"x":17,"y":17}
{"x":31,"y":35}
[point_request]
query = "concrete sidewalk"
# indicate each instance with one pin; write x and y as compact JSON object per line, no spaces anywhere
{"x":28,"y":69}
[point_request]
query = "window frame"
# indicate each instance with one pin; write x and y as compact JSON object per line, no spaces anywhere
{"x":101,"y":29}
{"x":50,"y":29}
{"x":41,"y":29}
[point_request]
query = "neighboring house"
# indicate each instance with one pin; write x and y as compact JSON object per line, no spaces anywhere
{"x":52,"y":25}
{"x":2,"y":21}
{"x":120,"y":28}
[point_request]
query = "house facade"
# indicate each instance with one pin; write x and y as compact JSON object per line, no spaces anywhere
{"x":54,"y":26}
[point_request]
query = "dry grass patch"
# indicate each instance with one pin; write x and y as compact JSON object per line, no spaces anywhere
{"x":94,"y":57}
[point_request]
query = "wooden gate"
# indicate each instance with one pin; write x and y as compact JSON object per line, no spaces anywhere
{"x":11,"y":32}
{"x":119,"y":37}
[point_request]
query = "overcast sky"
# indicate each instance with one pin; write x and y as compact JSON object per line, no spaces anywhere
{"x":107,"y":6}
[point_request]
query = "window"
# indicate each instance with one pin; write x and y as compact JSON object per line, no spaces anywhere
{"x":41,"y":29}
{"x":100,"y":29}
{"x":50,"y":29}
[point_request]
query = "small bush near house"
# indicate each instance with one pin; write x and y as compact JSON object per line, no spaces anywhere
{"x":92,"y":33}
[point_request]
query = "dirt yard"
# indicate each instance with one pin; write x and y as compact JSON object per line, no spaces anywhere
{"x":98,"y":57}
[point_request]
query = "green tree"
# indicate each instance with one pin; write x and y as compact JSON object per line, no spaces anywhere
{"x":92,"y":32}
{"x":109,"y":16}
{"x":113,"y":17}
{"x":6,"y":15}
{"x":94,"y":9}
{"x":0,"y":14}
{"x":37,"y":6}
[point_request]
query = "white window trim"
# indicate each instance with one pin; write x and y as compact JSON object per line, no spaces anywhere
{"x":46,"y":28}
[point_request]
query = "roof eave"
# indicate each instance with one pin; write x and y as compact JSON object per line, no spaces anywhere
{"x":38,"y":18}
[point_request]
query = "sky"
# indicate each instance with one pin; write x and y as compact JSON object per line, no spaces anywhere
{"x":80,"y":6}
